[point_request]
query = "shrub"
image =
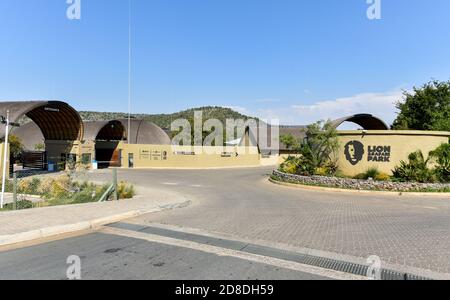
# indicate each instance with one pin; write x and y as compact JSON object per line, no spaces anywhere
{"x":441,"y":158}
{"x":45,"y":188}
{"x":317,"y":152}
{"x":416,"y":169}
{"x":125,"y":190}
{"x":370,"y":173}
{"x":290,"y":165}
{"x":320,"y":146}
{"x":322,"y":171}
{"x":21,"y":204}
{"x":29,"y":186}
{"x":382,"y":177}
{"x":86,"y":195}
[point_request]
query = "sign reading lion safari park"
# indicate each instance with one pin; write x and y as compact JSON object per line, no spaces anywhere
{"x":355,"y":152}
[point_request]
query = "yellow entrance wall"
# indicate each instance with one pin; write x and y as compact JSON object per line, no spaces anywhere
{"x":167,"y":156}
{"x":401,"y":143}
{"x":55,"y":149}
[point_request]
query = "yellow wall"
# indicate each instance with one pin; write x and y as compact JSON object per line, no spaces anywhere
{"x":55,"y":149}
{"x":166,"y":156}
{"x":400,"y":143}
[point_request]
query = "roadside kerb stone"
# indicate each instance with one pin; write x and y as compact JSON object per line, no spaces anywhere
{"x":361,"y":185}
{"x":32,"y":224}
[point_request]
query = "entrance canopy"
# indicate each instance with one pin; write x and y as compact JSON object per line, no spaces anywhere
{"x":366,"y":121}
{"x":104,"y":131}
{"x":58,"y":121}
{"x":142,"y":132}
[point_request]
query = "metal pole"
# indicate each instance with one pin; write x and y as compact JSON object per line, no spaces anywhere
{"x":116,"y":194}
{"x":15,"y":192}
{"x":129,"y":72}
{"x":5,"y":159}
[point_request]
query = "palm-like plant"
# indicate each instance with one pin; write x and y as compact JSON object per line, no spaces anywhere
{"x":441,"y":157}
{"x":416,"y":169}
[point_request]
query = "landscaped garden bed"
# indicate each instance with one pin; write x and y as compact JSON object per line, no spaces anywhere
{"x":61,"y":190}
{"x":360,"y":184}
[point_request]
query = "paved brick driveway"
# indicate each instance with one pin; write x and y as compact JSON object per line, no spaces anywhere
{"x":404,"y":230}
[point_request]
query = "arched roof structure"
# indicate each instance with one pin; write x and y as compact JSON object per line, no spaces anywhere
{"x":366,"y":121}
{"x":142,"y":132}
{"x":30,"y":135}
{"x":57,"y":120}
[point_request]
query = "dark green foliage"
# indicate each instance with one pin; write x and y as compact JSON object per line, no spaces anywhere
{"x":441,"y":158}
{"x":21,"y":204}
{"x":290,"y":141}
{"x":317,"y":154}
{"x":370,"y":173}
{"x":297,"y":165}
{"x":427,"y":108}
{"x":414,"y":170}
{"x":165,"y":120}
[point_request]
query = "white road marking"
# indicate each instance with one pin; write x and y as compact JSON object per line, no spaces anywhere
{"x":170,"y":183}
{"x":233,"y":253}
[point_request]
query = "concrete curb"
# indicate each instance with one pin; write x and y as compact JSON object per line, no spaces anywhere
{"x":366,"y":192}
{"x":46,"y":232}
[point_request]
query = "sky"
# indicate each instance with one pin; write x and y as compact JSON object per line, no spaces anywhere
{"x":296,"y":60}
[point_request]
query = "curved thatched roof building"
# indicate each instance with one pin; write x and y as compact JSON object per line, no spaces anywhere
{"x":142,"y":132}
{"x":57,"y":121}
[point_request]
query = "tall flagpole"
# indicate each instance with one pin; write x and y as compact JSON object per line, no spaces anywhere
{"x":129,"y":72}
{"x":5,"y":160}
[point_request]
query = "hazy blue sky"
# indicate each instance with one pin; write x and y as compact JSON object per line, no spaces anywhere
{"x":294,"y":59}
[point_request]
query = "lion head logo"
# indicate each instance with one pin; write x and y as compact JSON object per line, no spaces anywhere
{"x":354,"y":152}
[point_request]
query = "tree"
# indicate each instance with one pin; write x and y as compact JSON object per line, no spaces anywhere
{"x":318,"y":152}
{"x":15,"y":148}
{"x":290,"y":141}
{"x":39,"y":147}
{"x":321,"y":145}
{"x":427,"y":108}
{"x":441,"y":158}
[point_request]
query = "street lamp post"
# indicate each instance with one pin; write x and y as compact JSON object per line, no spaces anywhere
{"x":7,"y":124}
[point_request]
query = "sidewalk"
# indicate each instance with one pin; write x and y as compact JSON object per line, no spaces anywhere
{"x":32,"y":224}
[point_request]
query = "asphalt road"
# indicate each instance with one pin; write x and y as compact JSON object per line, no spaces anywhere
{"x":406,"y":231}
{"x":113,"y":257}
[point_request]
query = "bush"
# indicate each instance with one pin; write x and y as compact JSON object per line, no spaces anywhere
{"x":370,"y":173}
{"x":290,"y":165}
{"x":415,"y":169}
{"x":125,"y":191}
{"x":29,"y":186}
{"x":382,"y":177}
{"x":63,"y":191}
{"x":317,"y":152}
{"x":21,"y":204}
{"x":441,"y":158}
{"x":322,"y":171}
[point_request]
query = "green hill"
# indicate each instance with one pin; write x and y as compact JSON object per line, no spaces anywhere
{"x":165,"y":120}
